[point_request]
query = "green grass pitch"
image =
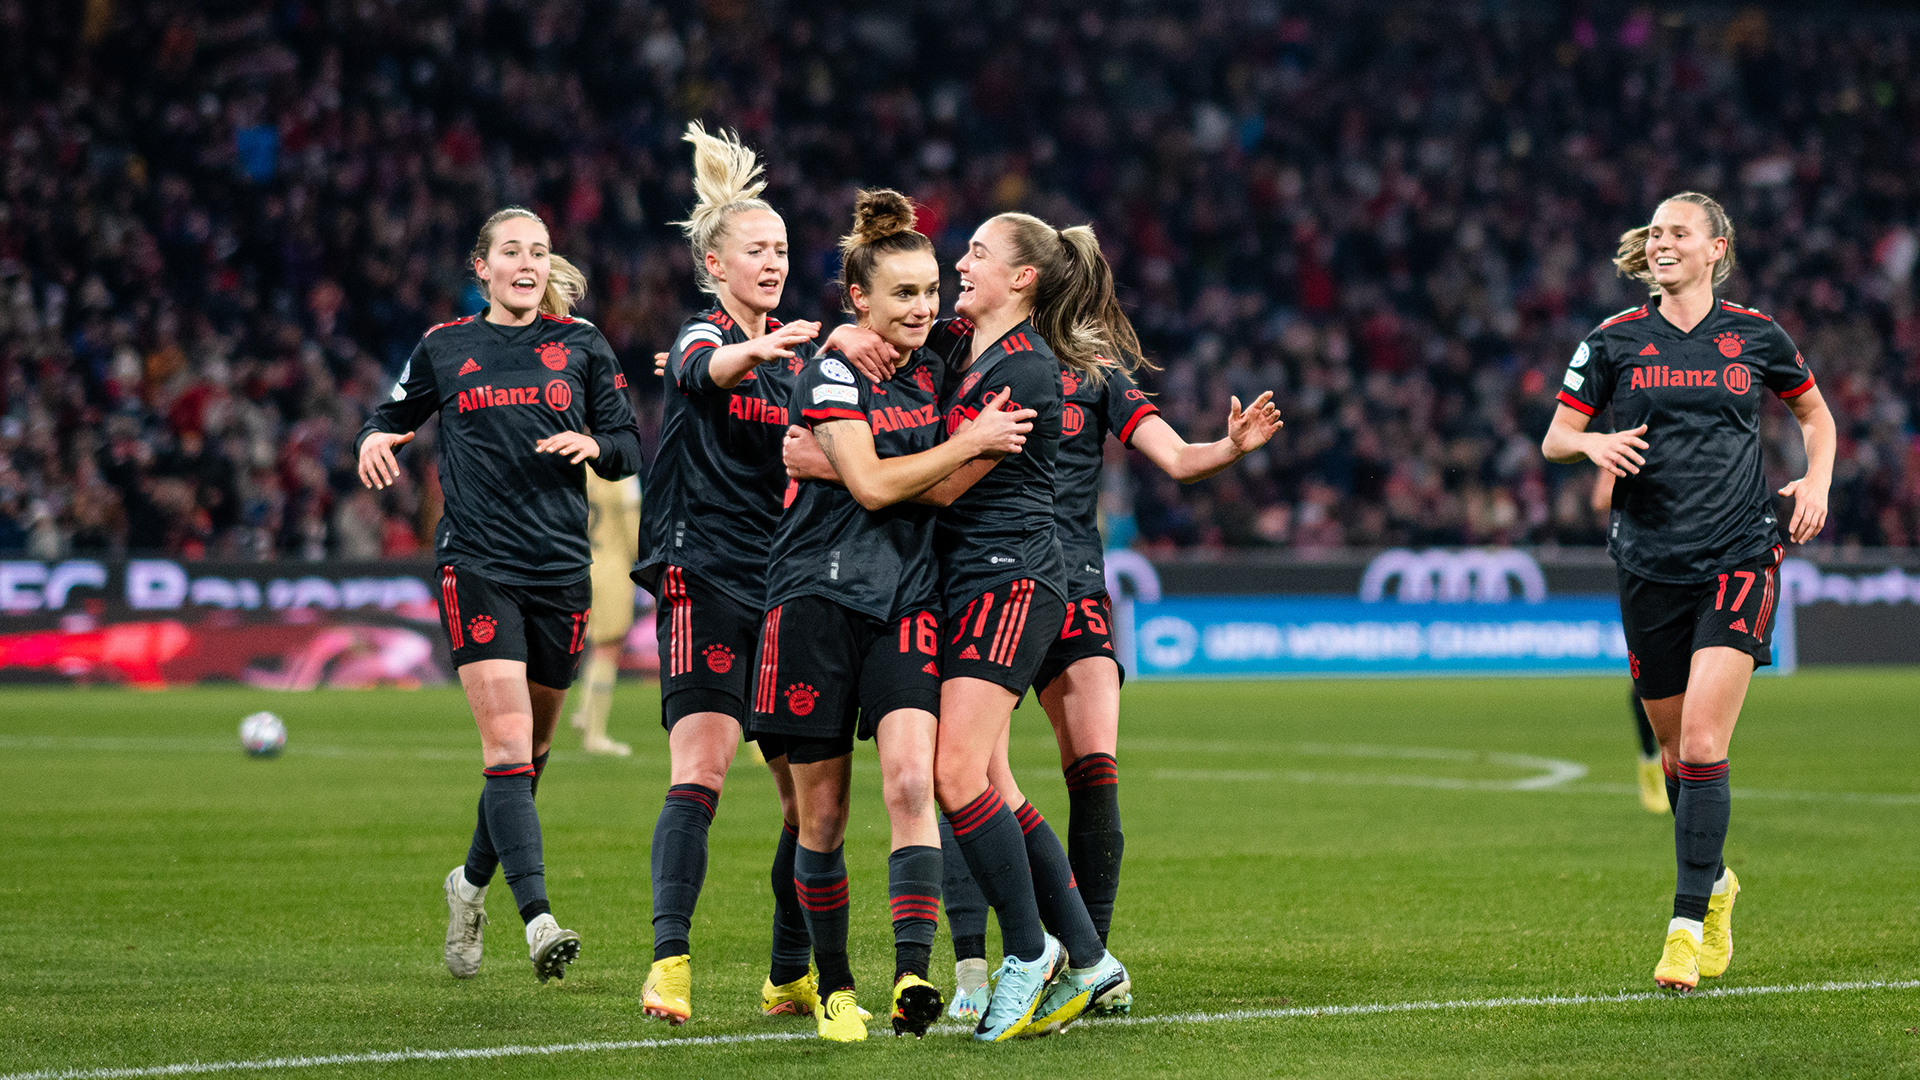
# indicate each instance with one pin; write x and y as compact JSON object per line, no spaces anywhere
{"x":1290,"y":846}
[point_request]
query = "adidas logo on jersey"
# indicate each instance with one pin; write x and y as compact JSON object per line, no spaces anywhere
{"x":469,"y":367}
{"x":933,"y":669}
{"x":1740,"y":625}
{"x":969,"y":653}
{"x":1649,"y":350}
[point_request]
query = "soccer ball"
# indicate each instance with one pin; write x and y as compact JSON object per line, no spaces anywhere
{"x":263,"y":734}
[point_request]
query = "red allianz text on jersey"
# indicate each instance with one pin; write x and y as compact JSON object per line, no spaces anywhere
{"x":557,"y":393}
{"x":895,"y":418}
{"x":756,"y":410}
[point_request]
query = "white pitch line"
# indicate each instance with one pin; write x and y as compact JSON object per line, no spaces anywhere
{"x":384,"y":1057}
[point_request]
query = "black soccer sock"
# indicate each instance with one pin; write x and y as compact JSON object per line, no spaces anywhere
{"x":913,"y":886}
{"x":792,"y":946}
{"x":820,"y":878}
{"x":990,"y":841}
{"x":1649,"y":746}
{"x":539,"y":766}
{"x":1673,"y":787}
{"x":966,"y":905}
{"x":513,"y":827}
{"x":1094,"y":840}
{"x":1061,"y":908}
{"x":679,"y":864}
{"x":1699,"y":835}
{"x":482,"y":861}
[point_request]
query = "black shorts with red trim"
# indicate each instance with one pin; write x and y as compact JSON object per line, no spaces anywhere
{"x":825,"y":673}
{"x":543,"y":626}
{"x":706,"y":642}
{"x":1666,"y":624}
{"x":1087,"y":631}
{"x":1003,"y":634}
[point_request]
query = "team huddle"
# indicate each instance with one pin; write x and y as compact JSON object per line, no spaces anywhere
{"x":889,"y":533}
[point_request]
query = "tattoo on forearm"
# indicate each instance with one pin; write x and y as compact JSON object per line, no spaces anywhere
{"x":824,"y":436}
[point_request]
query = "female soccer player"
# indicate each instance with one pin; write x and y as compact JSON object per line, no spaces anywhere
{"x":517,"y":392}
{"x":1693,"y":529}
{"x":1038,"y":298}
{"x":713,"y":497}
{"x":850,"y":641}
{"x":1079,"y":679}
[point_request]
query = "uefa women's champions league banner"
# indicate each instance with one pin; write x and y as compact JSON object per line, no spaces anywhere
{"x":1418,"y":613}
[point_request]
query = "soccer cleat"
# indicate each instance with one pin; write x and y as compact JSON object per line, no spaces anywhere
{"x":1017,"y":989}
{"x":668,"y":992}
{"x":797,"y":998}
{"x":916,"y":1005}
{"x":1679,"y":967}
{"x":972,"y":986}
{"x":551,"y":948}
{"x":840,"y":1019}
{"x":1653,"y":786}
{"x":1074,"y":992}
{"x":466,"y":925}
{"x":1716,"y":939}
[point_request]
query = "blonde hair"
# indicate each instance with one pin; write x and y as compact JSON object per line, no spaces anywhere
{"x":726,"y":181}
{"x":566,"y":285}
{"x":1631,"y":258}
{"x":1074,"y":305}
{"x":882,"y":225}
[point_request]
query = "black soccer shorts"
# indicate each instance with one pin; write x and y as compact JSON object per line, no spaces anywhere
{"x":825,"y":673}
{"x":1087,"y":631}
{"x":543,"y":626}
{"x":1003,"y":634}
{"x":1666,"y":624}
{"x":706,"y":640}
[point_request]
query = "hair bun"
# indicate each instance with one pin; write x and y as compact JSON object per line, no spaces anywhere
{"x":880,"y":213}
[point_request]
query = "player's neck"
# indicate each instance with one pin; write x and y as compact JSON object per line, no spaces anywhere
{"x":992,"y":326}
{"x":501,"y":315}
{"x":752,"y":323}
{"x":1686,"y":307}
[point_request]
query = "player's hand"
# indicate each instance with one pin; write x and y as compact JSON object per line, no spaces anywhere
{"x":575,"y":446}
{"x":1249,"y":430}
{"x":803,"y":457}
{"x":1618,"y":453}
{"x":1809,"y":509}
{"x":997,"y":430}
{"x":378,"y":469}
{"x":780,"y":344}
{"x":659,"y":365}
{"x":867,"y":351}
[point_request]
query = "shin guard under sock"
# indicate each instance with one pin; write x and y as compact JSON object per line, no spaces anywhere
{"x":1673,"y":787}
{"x":820,"y":879}
{"x":1094,"y":840}
{"x":1699,"y":835}
{"x":482,"y":860}
{"x":1649,"y":746}
{"x":1061,"y":908}
{"x":966,"y":906}
{"x":513,"y":828}
{"x":679,"y":865}
{"x":913,"y":887}
{"x":792,"y":945}
{"x":995,"y":851}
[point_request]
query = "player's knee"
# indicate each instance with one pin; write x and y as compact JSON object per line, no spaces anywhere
{"x":909,"y":789}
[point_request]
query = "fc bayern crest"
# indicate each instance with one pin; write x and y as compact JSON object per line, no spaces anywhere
{"x":554,"y":355}
{"x":800,"y":698}
{"x":967,"y":385}
{"x":1069,"y":382}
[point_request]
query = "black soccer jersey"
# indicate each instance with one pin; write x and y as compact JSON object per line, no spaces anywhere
{"x":1003,"y":527}
{"x":714,"y":493}
{"x":1115,"y":404}
{"x":1700,"y":504}
{"x":512,"y":515}
{"x":879,"y":563}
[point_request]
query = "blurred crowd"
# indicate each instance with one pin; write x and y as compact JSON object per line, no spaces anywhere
{"x":224,"y":225}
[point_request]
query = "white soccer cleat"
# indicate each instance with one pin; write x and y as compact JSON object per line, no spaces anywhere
{"x":466,"y":926}
{"x":551,"y":948}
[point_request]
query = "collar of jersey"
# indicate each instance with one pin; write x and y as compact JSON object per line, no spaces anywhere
{"x":1653,"y":309}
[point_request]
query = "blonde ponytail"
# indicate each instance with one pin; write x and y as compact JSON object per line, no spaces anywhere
{"x":726,"y":180}
{"x":566,"y":284}
{"x":1075,"y":307}
{"x":1630,"y":259}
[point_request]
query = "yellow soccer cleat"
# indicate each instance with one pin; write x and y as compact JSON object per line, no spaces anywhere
{"x":840,"y":1019}
{"x":668,"y":993}
{"x":797,"y":998}
{"x":916,"y":1005}
{"x":1679,"y":967}
{"x":1653,"y":786}
{"x":1716,"y":945}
